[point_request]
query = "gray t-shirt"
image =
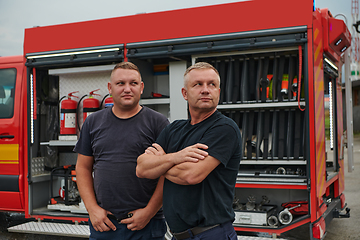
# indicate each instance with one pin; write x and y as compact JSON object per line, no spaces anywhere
{"x":115,"y":144}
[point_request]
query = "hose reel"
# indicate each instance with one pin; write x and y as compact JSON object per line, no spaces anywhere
{"x":285,"y":216}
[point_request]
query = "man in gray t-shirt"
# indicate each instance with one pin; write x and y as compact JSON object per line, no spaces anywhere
{"x":120,"y":205}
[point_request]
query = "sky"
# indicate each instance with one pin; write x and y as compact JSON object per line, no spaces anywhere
{"x":17,"y":15}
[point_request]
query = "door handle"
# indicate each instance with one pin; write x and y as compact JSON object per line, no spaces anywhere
{"x":6,"y":136}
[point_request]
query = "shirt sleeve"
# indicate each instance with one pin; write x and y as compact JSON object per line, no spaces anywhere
{"x":83,"y":145}
{"x":223,"y":142}
{"x":161,"y":139}
{"x":164,"y":122}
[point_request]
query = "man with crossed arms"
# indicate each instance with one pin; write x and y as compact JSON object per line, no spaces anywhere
{"x":199,"y":159}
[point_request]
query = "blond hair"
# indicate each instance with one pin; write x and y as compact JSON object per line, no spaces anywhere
{"x":199,"y":65}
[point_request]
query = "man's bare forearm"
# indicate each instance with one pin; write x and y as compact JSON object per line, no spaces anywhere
{"x":191,"y":173}
{"x":153,"y":166}
{"x":156,"y":200}
{"x":85,"y":185}
{"x":155,"y":162}
{"x":177,"y":175}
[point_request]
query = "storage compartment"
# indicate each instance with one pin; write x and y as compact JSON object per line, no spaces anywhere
{"x":260,"y":91}
{"x":163,"y":80}
{"x":262,"y":205}
{"x":52,"y":189}
{"x":256,"y":217}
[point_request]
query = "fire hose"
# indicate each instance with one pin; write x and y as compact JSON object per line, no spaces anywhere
{"x":285,"y":216}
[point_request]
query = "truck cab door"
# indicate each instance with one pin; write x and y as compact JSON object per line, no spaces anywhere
{"x":11,"y":133}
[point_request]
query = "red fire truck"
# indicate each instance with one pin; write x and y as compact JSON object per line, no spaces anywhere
{"x":280,"y":82}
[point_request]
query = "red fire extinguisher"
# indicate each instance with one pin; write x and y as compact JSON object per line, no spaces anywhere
{"x":68,"y":115}
{"x":90,"y":105}
{"x":109,"y":102}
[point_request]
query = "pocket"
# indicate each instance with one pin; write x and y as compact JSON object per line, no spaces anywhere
{"x":232,"y":236}
{"x":158,"y":228}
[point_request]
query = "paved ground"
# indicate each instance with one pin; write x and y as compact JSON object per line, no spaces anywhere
{"x":345,"y":229}
{"x":349,"y":228}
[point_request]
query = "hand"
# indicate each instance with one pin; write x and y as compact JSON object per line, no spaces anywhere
{"x":155,"y":149}
{"x":192,"y":153}
{"x":138,"y":221}
{"x":100,"y":221}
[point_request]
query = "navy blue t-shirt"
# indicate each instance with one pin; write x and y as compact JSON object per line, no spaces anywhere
{"x":115,"y":144}
{"x":209,"y":202}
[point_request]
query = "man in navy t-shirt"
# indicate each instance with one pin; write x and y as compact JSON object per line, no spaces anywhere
{"x":199,"y":158}
{"x":120,"y":205}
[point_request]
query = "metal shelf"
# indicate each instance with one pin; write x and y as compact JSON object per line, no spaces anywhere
{"x":271,"y":180}
{"x":272,"y":162}
{"x":298,"y":221}
{"x":268,"y":179}
{"x":154,"y":101}
{"x":267,"y":105}
{"x":59,"y":143}
{"x":41,"y":177}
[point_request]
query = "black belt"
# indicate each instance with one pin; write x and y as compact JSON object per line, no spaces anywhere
{"x":122,"y":217}
{"x":194,"y":231}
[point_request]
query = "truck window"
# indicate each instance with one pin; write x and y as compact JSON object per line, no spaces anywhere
{"x":7,"y":91}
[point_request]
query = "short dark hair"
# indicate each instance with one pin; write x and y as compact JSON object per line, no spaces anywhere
{"x":127,"y":65}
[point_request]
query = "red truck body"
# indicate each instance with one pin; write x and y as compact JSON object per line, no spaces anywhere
{"x":305,"y":40}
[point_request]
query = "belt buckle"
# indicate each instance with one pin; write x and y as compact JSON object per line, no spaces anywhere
{"x":181,"y":235}
{"x":194,"y":231}
{"x":125,"y":216}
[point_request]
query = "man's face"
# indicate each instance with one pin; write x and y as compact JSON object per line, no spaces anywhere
{"x":126,"y":88}
{"x":202,"y":89}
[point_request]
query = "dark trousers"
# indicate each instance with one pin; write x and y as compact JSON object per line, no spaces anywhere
{"x":222,"y":232}
{"x":155,"y":230}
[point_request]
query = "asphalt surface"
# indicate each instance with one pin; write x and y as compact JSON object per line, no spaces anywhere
{"x":339,"y":228}
{"x":349,"y":228}
{"x":342,"y":228}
